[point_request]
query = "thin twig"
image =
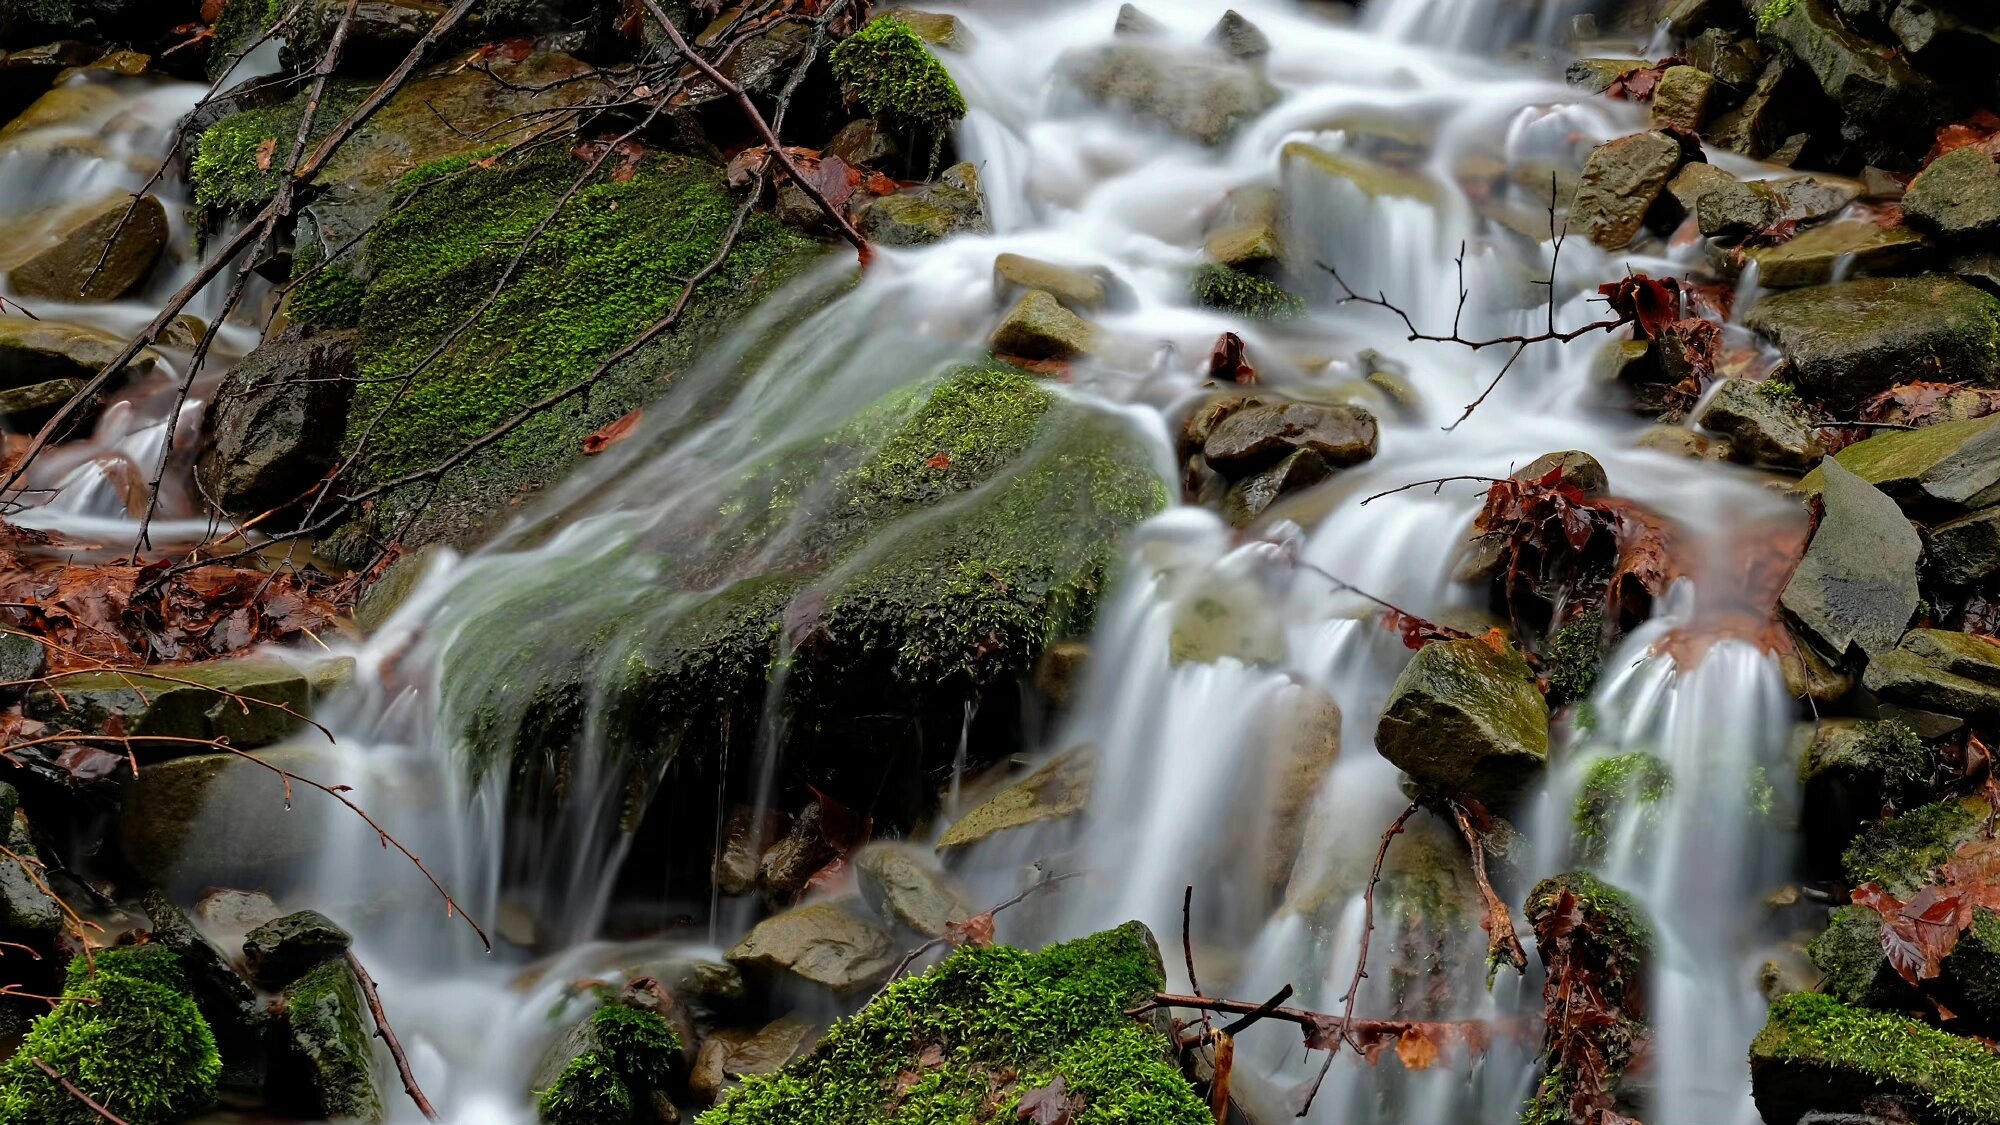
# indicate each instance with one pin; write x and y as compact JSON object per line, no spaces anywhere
{"x":911,"y":957}
{"x":1440,"y":482}
{"x":79,"y":1095}
{"x":1502,"y":944}
{"x":388,"y":1036}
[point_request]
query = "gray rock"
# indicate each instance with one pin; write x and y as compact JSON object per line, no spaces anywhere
{"x":1762,"y":427}
{"x":1938,"y":670}
{"x":1843,"y":343}
{"x":281,"y":950}
{"x":215,"y":819}
{"x":1734,"y":209}
{"x":1733,"y":61}
{"x":231,"y":1006}
{"x":1203,"y":95}
{"x":1848,"y":248}
{"x":1039,"y":327}
{"x":21,"y":659}
{"x":1266,"y":433}
{"x":1132,"y":21}
{"x":1684,"y":191}
{"x":27,"y":913}
{"x":929,"y":212}
{"x":1058,"y":790}
{"x":1857,"y":584}
{"x":1950,"y":465}
{"x":1081,"y":290}
{"x":1467,"y":720}
{"x":904,"y":884}
{"x":727,"y":1056}
{"x":824,"y":943}
{"x":275,"y":426}
{"x":18,"y":401}
{"x":99,"y":254}
{"x":1965,"y":551}
{"x":1594,"y":76}
{"x":1888,"y":109}
{"x":1759,"y":125}
{"x":1958,"y":196}
{"x":1252,"y":496}
{"x":1238,"y":37}
{"x":1621,"y":181}
{"x":157,"y":713}
{"x":1815,"y":197}
{"x":791,"y":863}
{"x":939,"y":29}
{"x":323,"y":1064}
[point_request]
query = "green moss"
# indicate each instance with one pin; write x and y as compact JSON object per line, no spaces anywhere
{"x":1900,"y":854}
{"x":1852,"y":967}
{"x":324,"y":1016}
{"x":1612,"y":786}
{"x":641,"y":1046}
{"x":1004,"y":1022}
{"x":1575,"y":659}
{"x":1231,"y":290}
{"x":1973,"y":969}
{"x":240,"y":22}
{"x":589,"y":1092}
{"x":1775,"y":10}
{"x":1617,"y":937}
{"x":1777,"y":390}
{"x":1818,"y":1052}
{"x":231,"y":171}
{"x":143,"y":1048}
{"x":888,"y":69}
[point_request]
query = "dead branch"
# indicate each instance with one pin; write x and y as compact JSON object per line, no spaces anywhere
{"x":331,"y":143}
{"x":1502,"y":944}
{"x":79,"y":1095}
{"x":388,"y":1036}
{"x":911,"y":957}
{"x":1363,"y":1029}
{"x":1439,"y":482}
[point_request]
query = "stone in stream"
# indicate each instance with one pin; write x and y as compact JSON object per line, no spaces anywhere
{"x":1132,"y":21}
{"x":792,"y":861}
{"x":1205,"y":95}
{"x":1466,"y":719}
{"x":1857,"y":584}
{"x":1238,"y":37}
{"x":825,"y":944}
{"x":1683,"y":194}
{"x":1734,"y":61}
{"x":281,"y":950}
{"x":928,"y":212}
{"x":862,"y":141}
{"x":1680,"y":101}
{"x":903,"y":883}
{"x":1846,"y":248}
{"x":1763,"y":426}
{"x":1594,"y":76}
{"x":22,"y":659}
{"x":1056,"y":791}
{"x":1816,"y":1053}
{"x":1939,"y":670}
{"x":1262,"y":434}
{"x":38,"y":351}
{"x":18,"y":402}
{"x":86,"y":262}
{"x":1965,"y":551}
{"x":276,"y":423}
{"x":1078,"y":289}
{"x":215,"y":819}
{"x":1958,"y":196}
{"x":1249,"y":498}
{"x":1247,"y":234}
{"x":626,"y":1054}
{"x":1735,"y":208}
{"x":1759,"y":125}
{"x":380,"y":33}
{"x":1304,"y":737}
{"x":1850,"y":769}
{"x":1039,"y":327}
{"x":939,"y":29}
{"x":1949,"y":466}
{"x":1888,"y":109}
{"x":1620,"y":183}
{"x":27,"y":914}
{"x":229,"y":1003}
{"x":1845,"y":342}
{"x":159,"y":714}
{"x":322,"y":1060}
{"x":727,"y":1057}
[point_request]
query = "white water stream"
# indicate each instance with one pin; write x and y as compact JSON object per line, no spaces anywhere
{"x":1185,"y":757}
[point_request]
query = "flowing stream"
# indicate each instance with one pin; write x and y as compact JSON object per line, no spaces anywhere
{"x":1187,"y":761}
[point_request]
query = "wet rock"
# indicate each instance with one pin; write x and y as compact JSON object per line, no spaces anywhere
{"x":939,"y":29}
{"x":231,"y":1006}
{"x":1077,"y":289}
{"x":824,"y":944}
{"x":1734,"y":61}
{"x":1132,"y":21}
{"x":791,"y":863}
{"x":743,"y":844}
{"x":1248,"y":235}
{"x":1594,"y":76}
{"x":1579,"y":470}
{"x":1370,"y":178}
{"x":903,"y":883}
{"x":1683,"y":195}
{"x":1857,"y":585}
{"x":213,"y":818}
{"x":1202,"y":95}
{"x":862,"y":142}
{"x":1845,"y":342}
{"x":1683,"y":442}
{"x":37,"y":351}
{"x":624,"y":1054}
{"x":728,"y":1056}
{"x":99,"y":254}
{"x":1815,"y":197}
{"x":1621,"y":181}
{"x":1039,"y":327}
{"x":1263,"y":434}
{"x":1059,"y":673}
{"x":1734,"y":209}
{"x":27,"y":914}
{"x":18,"y":403}
{"x":1961,"y":671}
{"x":1680,"y":101}
{"x":276,"y":423}
{"x":149,"y":707}
{"x":1226,"y":619}
{"x":1305,"y":734}
{"x":1238,"y":37}
{"x":1759,"y":125}
{"x":1958,"y":196}
{"x":1965,"y":551}
{"x":1850,"y":770}
{"x":1252,"y":496}
{"x":1887,"y":108}
{"x":1058,"y":790}
{"x":1816,"y":1053}
{"x":227,"y":916}
{"x":1848,"y":248}
{"x":1763,"y":426}
{"x":281,"y":950}
{"x":929,"y":212}
{"x":1959,"y":49}
{"x":379,"y":34}
{"x":1951,"y":466}
{"x":323,"y":1063}
{"x":1466,"y":718}
{"x":22,"y":659}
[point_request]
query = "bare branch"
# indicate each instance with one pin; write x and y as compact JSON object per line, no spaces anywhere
{"x":79,"y":1095}
{"x":388,"y":1036}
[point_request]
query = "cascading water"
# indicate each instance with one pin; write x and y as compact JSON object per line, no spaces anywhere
{"x":1189,"y":747}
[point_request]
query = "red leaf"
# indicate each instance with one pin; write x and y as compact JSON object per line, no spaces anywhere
{"x":1652,"y":303}
{"x":1226,"y":363}
{"x":939,"y":461}
{"x":976,"y":930}
{"x":1047,"y":1105}
{"x":1416,"y":1050}
{"x":611,"y":434}
{"x":1639,"y":83}
{"x":88,"y":763}
{"x":1919,"y":934}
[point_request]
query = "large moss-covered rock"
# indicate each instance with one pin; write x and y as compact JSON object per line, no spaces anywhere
{"x":1857,"y":584}
{"x":284,"y":949}
{"x":133,"y":1039}
{"x":1949,"y":465}
{"x":927,"y":213}
{"x":1817,"y":1053}
{"x":1615,"y":788}
{"x":1848,"y":248}
{"x":1845,"y":342}
{"x":1958,"y":196}
{"x":1588,"y":930}
{"x":196,"y":703}
{"x":324,"y":1062}
{"x":1939,"y":670}
{"x":235,"y":1013}
{"x":1903,"y":853}
{"x":1000,"y":1019}
{"x":1966,"y":550}
{"x":888,"y":69}
{"x":1465,"y":718}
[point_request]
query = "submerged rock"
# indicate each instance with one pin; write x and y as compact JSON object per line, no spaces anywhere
{"x":824,"y":944}
{"x":1465,"y":718}
{"x":1845,"y":342}
{"x":1080,"y":290}
{"x":1857,"y":584}
{"x":1203,"y":95}
{"x":1057,"y":790}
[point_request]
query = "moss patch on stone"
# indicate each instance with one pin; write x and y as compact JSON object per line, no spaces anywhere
{"x":1005,"y":1022}
{"x":1231,"y":290}
{"x":1576,"y":659}
{"x":142,"y":1047}
{"x":887,"y":68}
{"x":231,"y":173}
{"x":1900,"y":854}
{"x":1612,"y":786}
{"x":1818,"y":1053}
{"x":589,"y":1092}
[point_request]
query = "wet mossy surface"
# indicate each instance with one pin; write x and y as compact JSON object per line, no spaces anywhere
{"x":231,"y":174}
{"x":1900,"y":854}
{"x":1000,"y":1022}
{"x":888,"y":69}
{"x":136,"y":1042}
{"x":1232,"y":290}
{"x":1575,"y":660}
{"x":1818,"y":1053}
{"x":626,"y":1053}
{"x":1612,"y":787}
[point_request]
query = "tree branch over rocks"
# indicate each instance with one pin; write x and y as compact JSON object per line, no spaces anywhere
{"x":387,"y":1035}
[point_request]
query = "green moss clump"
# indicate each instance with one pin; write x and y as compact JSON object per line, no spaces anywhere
{"x":888,"y":69}
{"x":589,"y":1092}
{"x":143,"y":1048}
{"x":1616,"y":938}
{"x":1774,"y":11}
{"x":1613,"y":785}
{"x":1818,"y":1053}
{"x":325,"y":1013}
{"x":1900,"y":854}
{"x":1005,"y":1022}
{"x":1231,"y":290}
{"x":1575,"y":659}
{"x":641,"y":1046}
{"x":1608,"y":950}
{"x":1852,"y":966}
{"x":225,"y":172}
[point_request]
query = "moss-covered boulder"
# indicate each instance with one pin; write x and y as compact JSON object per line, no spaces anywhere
{"x":1939,"y":670}
{"x":284,"y":949}
{"x":888,"y":69}
{"x":133,"y":1039}
{"x":196,"y":703}
{"x":1229,"y":289}
{"x":1817,"y":1053}
{"x":324,"y":1063}
{"x":1466,"y":719}
{"x":1857,"y":971}
{"x":978,"y":1033}
{"x":1595,"y":942}
{"x":1948,"y":466}
{"x":1845,"y":342}
{"x":1902,"y":854}
{"x":1613,"y":788}
{"x":606,"y":1065}
{"x":926,"y":213}
{"x":1851,"y":768}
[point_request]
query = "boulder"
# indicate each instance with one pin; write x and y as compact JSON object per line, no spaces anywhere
{"x":1949,"y":466}
{"x":22,"y":659}
{"x":1845,"y":248}
{"x":1253,"y":495}
{"x":1816,"y":1053}
{"x":626,"y":1054}
{"x":1845,"y":342}
{"x":1058,"y":790}
{"x":1965,"y":551}
{"x":1888,"y":109}
{"x":1205,"y":96}
{"x":1680,"y":101}
{"x":98,"y":253}
{"x":1857,"y":584}
{"x":198,"y":702}
{"x":1763,"y":426}
{"x":1735,"y":208}
{"x":38,"y":351}
{"x":791,"y":862}
{"x":234,"y":1012}
{"x":1039,"y":327}
{"x":275,"y":427}
{"x":1079,"y":290}
{"x":1683,"y":195}
{"x":904,"y":884}
{"x":214,"y":819}
{"x":1261,"y":435}
{"x":18,"y":403}
{"x":323,"y":1059}
{"x":1939,"y":670}
{"x":727,"y":1057}
{"x":928,"y":212}
{"x":1466,"y":719}
{"x":1732,"y":60}
{"x":1620,"y":183}
{"x":1958,"y":196}
{"x":824,"y":944}
{"x":281,"y":950}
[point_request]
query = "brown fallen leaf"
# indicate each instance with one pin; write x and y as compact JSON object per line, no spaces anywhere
{"x":611,"y":433}
{"x":265,"y":152}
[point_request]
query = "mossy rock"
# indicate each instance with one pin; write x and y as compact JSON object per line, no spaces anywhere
{"x":887,"y":67}
{"x":1004,"y":1022}
{"x":165,"y":716}
{"x":1902,"y":854}
{"x":1232,"y":290}
{"x":1614,"y":787}
{"x":325,"y":1062}
{"x":606,"y":1065}
{"x":1575,"y":658}
{"x":1817,"y":1053}
{"x":1617,"y":936}
{"x":135,"y":1041}
{"x":1466,"y":719}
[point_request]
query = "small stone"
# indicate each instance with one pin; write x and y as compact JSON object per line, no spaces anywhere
{"x":862,"y":142}
{"x":1039,"y":327}
{"x":824,"y":944}
{"x":792,"y":862}
{"x":1763,"y":427}
{"x":1261,"y":435}
{"x":1857,"y":584}
{"x":87,"y":263}
{"x":1731,"y":60}
{"x":929,"y":212}
{"x":27,"y":913}
{"x":1966,"y":551}
{"x":737,"y":864}
{"x":1958,"y":196}
{"x":1620,"y":183}
{"x":1080,"y":290}
{"x":1680,"y":101}
{"x":1239,"y":37}
{"x":1254,"y":495}
{"x":1057,"y":790}
{"x":903,"y":883}
{"x":280,"y":951}
{"x":323,"y":1065}
{"x":1684,"y":191}
{"x":1682,"y":442}
{"x":1466,"y":719}
{"x":1246,"y":244}
{"x":1132,"y":21}
{"x":727,"y":1056}
{"x":1736,"y":209}
{"x":17,"y":401}
{"x":1579,"y":470}
{"x":1594,"y":76}
{"x":22,"y":659}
